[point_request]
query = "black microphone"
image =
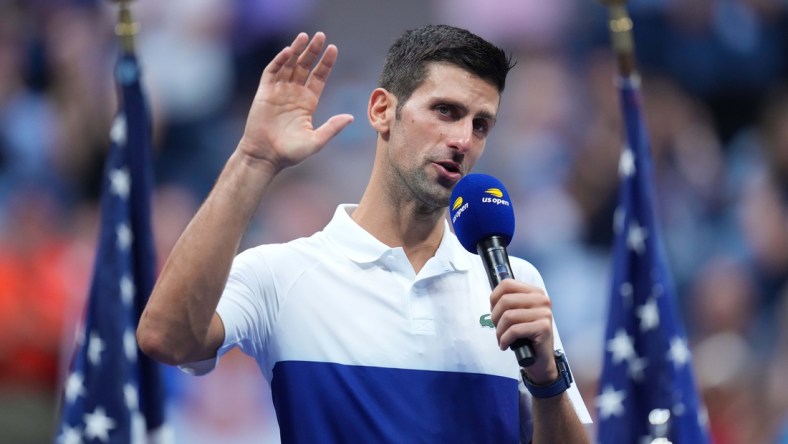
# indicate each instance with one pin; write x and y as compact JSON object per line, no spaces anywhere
{"x":483,"y":221}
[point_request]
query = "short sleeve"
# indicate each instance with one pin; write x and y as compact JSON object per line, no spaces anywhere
{"x":243,"y":309}
{"x":526,"y":272}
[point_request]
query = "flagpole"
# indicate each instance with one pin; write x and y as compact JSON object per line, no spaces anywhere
{"x":620,"y":27}
{"x":151,"y":386}
{"x":126,"y":28}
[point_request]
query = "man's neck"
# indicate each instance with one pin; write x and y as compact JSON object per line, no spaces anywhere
{"x":417,"y":231}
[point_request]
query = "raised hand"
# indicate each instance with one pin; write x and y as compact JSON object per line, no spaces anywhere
{"x":279,"y":129}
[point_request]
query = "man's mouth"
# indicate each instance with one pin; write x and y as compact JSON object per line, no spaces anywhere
{"x":451,"y":167}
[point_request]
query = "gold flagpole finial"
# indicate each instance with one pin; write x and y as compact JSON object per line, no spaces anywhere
{"x":620,"y":27}
{"x":126,"y":28}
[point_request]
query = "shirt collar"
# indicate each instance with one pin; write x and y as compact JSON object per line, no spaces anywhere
{"x":361,"y":247}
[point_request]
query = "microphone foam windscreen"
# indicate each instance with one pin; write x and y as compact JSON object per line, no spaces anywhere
{"x":480,"y":208}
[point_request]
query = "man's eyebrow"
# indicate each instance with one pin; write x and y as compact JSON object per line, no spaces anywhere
{"x":488,"y":116}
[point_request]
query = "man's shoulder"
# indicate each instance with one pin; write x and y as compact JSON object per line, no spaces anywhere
{"x":309,"y":242}
{"x":302,"y":250}
{"x":525,"y":271}
{"x":523,"y":264}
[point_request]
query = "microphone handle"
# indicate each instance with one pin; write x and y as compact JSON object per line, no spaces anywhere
{"x":492,"y":250}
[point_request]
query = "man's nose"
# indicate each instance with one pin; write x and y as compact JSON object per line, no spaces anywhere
{"x":461,"y":135}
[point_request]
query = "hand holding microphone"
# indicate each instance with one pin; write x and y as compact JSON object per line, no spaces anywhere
{"x":483,"y":219}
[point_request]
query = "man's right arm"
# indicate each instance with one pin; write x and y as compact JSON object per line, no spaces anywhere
{"x":179,"y":324}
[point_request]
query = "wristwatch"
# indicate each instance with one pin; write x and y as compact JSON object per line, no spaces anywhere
{"x":556,"y":387}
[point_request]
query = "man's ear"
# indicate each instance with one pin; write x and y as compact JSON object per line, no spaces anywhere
{"x":381,"y":110}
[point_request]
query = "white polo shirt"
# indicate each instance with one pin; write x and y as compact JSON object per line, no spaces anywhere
{"x":357,"y":347}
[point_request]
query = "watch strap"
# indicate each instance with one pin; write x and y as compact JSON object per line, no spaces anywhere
{"x":556,"y":387}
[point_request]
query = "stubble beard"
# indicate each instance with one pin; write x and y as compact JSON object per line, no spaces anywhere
{"x":417,"y":186}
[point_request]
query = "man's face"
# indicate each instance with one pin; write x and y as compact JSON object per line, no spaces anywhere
{"x":440,"y":133}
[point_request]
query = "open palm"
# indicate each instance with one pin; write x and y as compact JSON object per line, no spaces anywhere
{"x":279,"y":128}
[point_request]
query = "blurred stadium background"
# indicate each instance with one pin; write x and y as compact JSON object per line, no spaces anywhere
{"x":715,"y":85}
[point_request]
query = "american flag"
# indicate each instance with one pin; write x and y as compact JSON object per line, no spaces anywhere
{"x":113,"y":392}
{"x":647,"y":362}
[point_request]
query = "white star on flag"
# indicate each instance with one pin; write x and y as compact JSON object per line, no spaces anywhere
{"x":70,"y":436}
{"x":120,"y":182}
{"x":118,"y":132}
{"x":74,"y":386}
{"x":124,"y":236}
{"x":626,"y":292}
{"x":610,"y":402}
{"x":139,"y":434}
{"x":649,"y":315}
{"x":636,"y":238}
{"x":98,"y":425}
{"x":621,"y":347}
{"x":95,"y":347}
{"x":679,"y":354}
{"x":130,"y":395}
{"x":636,"y":367}
{"x":127,"y":290}
{"x":130,"y":345}
{"x":679,"y":409}
{"x":626,"y":163}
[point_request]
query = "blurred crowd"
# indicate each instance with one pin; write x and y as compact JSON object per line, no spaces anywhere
{"x":715,"y":86}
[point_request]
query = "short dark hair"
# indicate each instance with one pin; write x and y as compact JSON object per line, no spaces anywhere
{"x":406,"y":63}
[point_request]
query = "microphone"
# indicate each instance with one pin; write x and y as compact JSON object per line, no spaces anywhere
{"x":483,"y":220}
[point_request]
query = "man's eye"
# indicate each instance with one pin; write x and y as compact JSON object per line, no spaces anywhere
{"x":443,"y":109}
{"x":481,"y":126}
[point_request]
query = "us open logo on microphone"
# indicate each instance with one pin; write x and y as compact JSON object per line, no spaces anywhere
{"x":458,"y":207}
{"x":496,"y":199}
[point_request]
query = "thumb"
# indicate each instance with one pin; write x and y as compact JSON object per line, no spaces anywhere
{"x":332,"y":127}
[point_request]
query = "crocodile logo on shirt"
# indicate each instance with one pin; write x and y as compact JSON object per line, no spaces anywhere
{"x":486,"y":321}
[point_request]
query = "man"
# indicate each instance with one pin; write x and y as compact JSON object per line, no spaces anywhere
{"x":369,"y":330}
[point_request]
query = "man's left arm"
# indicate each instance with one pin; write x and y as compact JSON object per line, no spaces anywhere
{"x":555,"y":420}
{"x":523,"y":311}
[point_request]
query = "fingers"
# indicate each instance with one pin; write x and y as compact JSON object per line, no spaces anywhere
{"x":271,"y":72}
{"x":317,"y":80}
{"x":287,"y":69}
{"x":519,"y":311}
{"x":294,"y":63}
{"x":281,"y":65}
{"x":533,"y":324}
{"x":307,"y":58}
{"x":508,"y":286}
